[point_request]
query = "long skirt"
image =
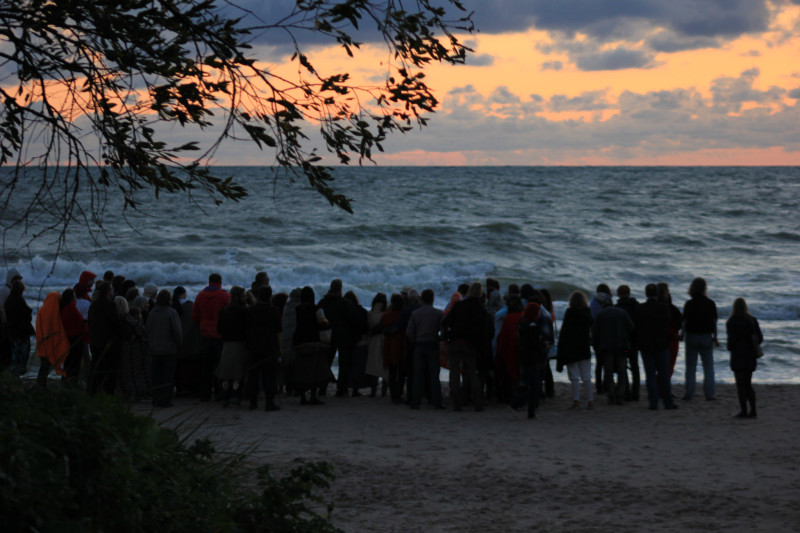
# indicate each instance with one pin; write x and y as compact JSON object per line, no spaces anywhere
{"x":233,"y":363}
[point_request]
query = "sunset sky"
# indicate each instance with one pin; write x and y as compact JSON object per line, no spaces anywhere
{"x":591,"y":82}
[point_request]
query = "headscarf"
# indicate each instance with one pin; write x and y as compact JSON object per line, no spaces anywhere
{"x":52,"y":342}
{"x":533,"y":311}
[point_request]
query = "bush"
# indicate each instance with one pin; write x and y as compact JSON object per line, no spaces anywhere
{"x":70,"y":462}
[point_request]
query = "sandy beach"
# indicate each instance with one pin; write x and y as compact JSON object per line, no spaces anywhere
{"x":614,"y":468}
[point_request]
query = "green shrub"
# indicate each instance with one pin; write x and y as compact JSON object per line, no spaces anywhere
{"x":70,"y":462}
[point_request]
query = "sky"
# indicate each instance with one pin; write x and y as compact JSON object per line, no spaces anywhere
{"x":590,"y":82}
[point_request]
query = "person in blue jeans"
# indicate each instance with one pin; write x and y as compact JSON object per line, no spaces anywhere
{"x":700,"y":337}
{"x":652,"y":337}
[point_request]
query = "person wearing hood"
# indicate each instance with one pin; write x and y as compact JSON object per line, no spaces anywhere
{"x":532,"y":356}
{"x":52,"y":343}
{"x":18,"y":327}
{"x":5,"y":344}
{"x":205,"y":313}
{"x":601,"y":297}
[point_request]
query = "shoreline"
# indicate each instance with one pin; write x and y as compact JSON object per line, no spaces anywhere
{"x":621,"y":467}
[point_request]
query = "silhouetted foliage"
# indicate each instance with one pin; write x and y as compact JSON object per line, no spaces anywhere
{"x":89,"y":83}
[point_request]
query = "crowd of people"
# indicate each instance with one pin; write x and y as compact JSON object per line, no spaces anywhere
{"x":242,"y":344}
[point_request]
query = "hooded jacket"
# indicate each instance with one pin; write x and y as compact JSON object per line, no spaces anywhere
{"x":51,"y":338}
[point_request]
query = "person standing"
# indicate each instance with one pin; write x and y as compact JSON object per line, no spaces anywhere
{"x":611,"y":333}
{"x":575,"y":348}
{"x":75,"y":327}
{"x":18,"y":327}
{"x":602,"y":295}
{"x":107,"y":332}
{"x":628,"y":303}
{"x":165,"y":337}
{"x":232,"y":326}
{"x":264,"y":341}
{"x":205,"y":313}
{"x":342,"y":317}
{"x":532,"y":358}
{"x":652,"y":337}
{"x":700,"y":331}
{"x":744,"y":341}
{"x":5,"y":344}
{"x":423,"y":333}
{"x":467,"y":323}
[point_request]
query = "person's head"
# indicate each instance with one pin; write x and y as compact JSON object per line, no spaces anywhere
{"x":116,"y":283}
{"x":67,"y":297}
{"x":336,"y":287}
{"x":179,"y":293}
{"x":533,"y":311}
{"x":131,"y":294}
{"x":238,"y":294}
{"x":17,"y":287}
{"x":536,"y":296}
{"x":128,"y":286}
{"x":526,"y":291}
{"x":279,"y":300}
{"x":514,"y":304}
{"x":475,"y":290}
{"x":108,"y":275}
{"x":514,"y":289}
{"x":294,"y":295}
{"x":651,"y":290}
{"x":214,"y":279}
{"x":663,"y":292}
{"x":104,"y":290}
{"x":87,"y":277}
{"x":379,"y":302}
{"x":427,"y":296}
{"x":164,"y":297}
{"x":577,"y":300}
{"x":548,"y":299}
{"x":142,"y":303}
{"x":697,"y":288}
{"x":413,"y":295}
{"x":623,"y":291}
{"x":463,"y":289}
{"x":150,"y":291}
{"x":122,"y":305}
{"x":351,"y":297}
{"x":261,"y":279}
{"x":602,"y":287}
{"x":398,"y":302}
{"x":739,"y":307}
{"x":492,"y":285}
{"x":307,"y":295}
{"x":81,"y":290}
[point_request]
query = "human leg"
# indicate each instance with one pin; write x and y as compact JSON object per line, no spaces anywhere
{"x":574,"y":373}
{"x":692,"y":349}
{"x":649,"y":360}
{"x":664,"y":385}
{"x":585,"y":368}
{"x":741,"y":391}
{"x":707,"y":358}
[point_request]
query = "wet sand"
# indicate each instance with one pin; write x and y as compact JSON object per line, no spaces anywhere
{"x":614,"y":468}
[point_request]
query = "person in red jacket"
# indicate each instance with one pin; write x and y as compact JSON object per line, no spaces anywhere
{"x":205,"y":313}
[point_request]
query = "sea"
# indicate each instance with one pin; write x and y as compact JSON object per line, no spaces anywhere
{"x":563,"y":228}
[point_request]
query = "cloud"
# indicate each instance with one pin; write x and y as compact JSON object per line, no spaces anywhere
{"x":480,"y":60}
{"x":652,"y":124}
{"x":795,"y":93}
{"x":552,"y":65}
{"x":588,"y":101}
{"x":614,"y":59}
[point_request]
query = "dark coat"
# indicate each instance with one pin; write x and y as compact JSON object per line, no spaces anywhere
{"x":341,"y":315}
{"x":612,"y":329}
{"x":742,"y":329}
{"x":306,"y":327}
{"x":263,"y":326}
{"x":18,"y":317}
{"x":575,"y":337}
{"x":105,"y":325}
{"x":467,"y":322}
{"x":232,"y":323}
{"x":652,"y":326}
